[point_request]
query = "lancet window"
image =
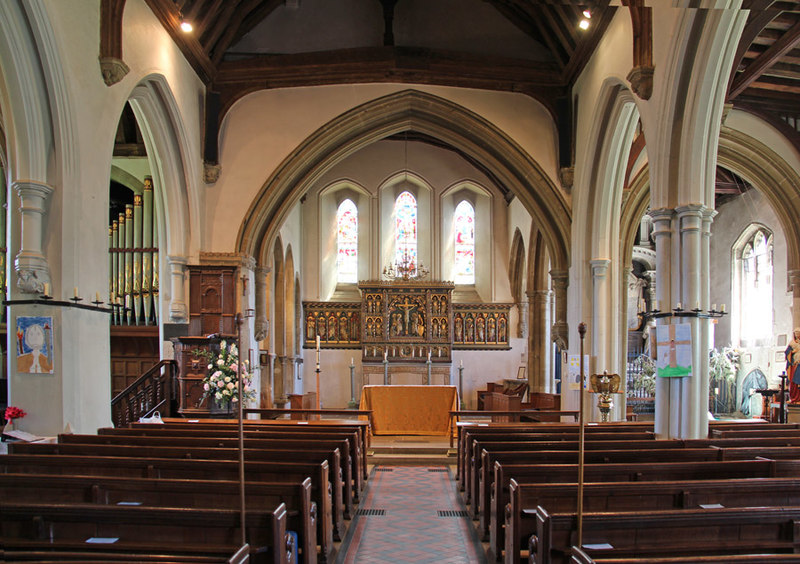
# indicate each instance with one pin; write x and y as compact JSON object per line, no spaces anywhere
{"x":756,"y":287}
{"x":347,"y":242}
{"x":405,"y":231}
{"x":464,"y":220}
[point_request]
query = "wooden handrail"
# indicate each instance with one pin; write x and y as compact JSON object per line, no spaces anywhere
{"x":152,"y":391}
{"x":278,"y":411}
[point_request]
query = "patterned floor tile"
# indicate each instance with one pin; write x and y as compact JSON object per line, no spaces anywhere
{"x":411,"y":530}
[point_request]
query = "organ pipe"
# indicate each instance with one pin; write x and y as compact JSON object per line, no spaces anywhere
{"x":133,"y":264}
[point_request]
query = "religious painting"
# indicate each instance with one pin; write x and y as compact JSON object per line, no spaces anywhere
{"x":34,"y":345}
{"x":407,"y":315}
{"x":674,"y":351}
{"x":337,"y":324}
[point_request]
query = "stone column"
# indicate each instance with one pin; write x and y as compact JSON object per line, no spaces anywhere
{"x":538,"y":343}
{"x":600,"y":330}
{"x":794,"y":280}
{"x":522,"y":329}
{"x":178,"y":311}
{"x":31,"y":264}
{"x":262,"y":323}
{"x":662,"y":235}
{"x":278,"y":388}
{"x":560,"y":281}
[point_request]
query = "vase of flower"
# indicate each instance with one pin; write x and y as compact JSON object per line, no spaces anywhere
{"x":220,"y":409}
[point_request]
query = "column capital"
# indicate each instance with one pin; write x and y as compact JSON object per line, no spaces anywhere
{"x":691,"y":210}
{"x":560,"y":278}
{"x":177,"y":260}
{"x":32,"y":188}
{"x":661,"y":214}
{"x":599,"y":267}
{"x":263,"y":270}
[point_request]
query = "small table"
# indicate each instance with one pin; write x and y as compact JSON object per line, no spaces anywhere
{"x":766,"y":403}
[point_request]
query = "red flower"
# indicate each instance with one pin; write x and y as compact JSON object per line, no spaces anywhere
{"x":14,"y":413}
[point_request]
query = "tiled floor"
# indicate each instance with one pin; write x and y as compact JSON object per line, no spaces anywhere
{"x":409,"y":529}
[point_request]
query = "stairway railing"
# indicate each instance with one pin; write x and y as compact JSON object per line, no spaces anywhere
{"x":152,"y":391}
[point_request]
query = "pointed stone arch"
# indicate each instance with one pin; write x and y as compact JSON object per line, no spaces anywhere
{"x":408,"y":110}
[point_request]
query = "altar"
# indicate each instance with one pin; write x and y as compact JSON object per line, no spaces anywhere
{"x":409,"y":410}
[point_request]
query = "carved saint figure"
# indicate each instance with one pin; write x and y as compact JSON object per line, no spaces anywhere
{"x":469,"y":332}
{"x":501,"y":330}
{"x":397,"y":324}
{"x":332,"y":328}
{"x":311,"y":333}
{"x":480,"y":325}
{"x":459,"y":329}
{"x":490,"y":329}
{"x":344,"y":332}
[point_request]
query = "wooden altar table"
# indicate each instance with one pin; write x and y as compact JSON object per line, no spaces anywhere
{"x":409,"y":410}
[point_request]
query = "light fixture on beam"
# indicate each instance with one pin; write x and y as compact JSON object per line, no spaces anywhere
{"x":186,"y":25}
{"x":587,"y":16}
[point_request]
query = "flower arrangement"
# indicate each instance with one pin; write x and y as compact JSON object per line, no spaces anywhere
{"x":14,"y":413}
{"x":221,"y":383}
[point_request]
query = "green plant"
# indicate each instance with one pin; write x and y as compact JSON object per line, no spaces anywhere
{"x":221,"y":383}
{"x":723,"y":365}
{"x":645,"y":379}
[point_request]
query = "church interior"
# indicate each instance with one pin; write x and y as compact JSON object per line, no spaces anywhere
{"x":448,"y":198}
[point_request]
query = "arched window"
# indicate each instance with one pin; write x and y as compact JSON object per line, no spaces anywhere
{"x":756,"y":288}
{"x":405,"y":231}
{"x":464,"y":221}
{"x":347,"y":242}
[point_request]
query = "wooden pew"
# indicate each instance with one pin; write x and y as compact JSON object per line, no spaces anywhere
{"x":486,"y":506}
{"x":319,"y":426}
{"x":175,"y":468}
{"x":520,"y":513}
{"x":309,"y":455}
{"x":39,"y":526}
{"x":159,"y":492}
{"x":578,"y":556}
{"x":298,"y":432}
{"x":55,"y":555}
{"x":623,"y":472}
{"x":651,"y":533}
{"x":262,"y":446}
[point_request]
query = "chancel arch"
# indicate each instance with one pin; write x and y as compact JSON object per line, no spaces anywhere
{"x":408,"y":110}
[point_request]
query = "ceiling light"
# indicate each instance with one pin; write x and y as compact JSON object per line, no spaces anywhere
{"x":587,"y":14}
{"x":186,"y":26}
{"x":584,"y":24}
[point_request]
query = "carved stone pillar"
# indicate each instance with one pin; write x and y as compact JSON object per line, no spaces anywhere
{"x":601,"y":318}
{"x":178,"y":312}
{"x":31,"y":264}
{"x":262,"y":323}
{"x":794,"y":280}
{"x":278,"y":383}
{"x":560,"y":334}
{"x":538,"y":374}
{"x":288,"y":374}
{"x":522,"y":329}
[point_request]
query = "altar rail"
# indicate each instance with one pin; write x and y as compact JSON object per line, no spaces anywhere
{"x":527,"y":414}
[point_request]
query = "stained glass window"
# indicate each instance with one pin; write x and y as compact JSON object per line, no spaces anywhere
{"x":347,"y":242}
{"x":756,"y":294}
{"x":465,"y":243}
{"x":405,"y":231}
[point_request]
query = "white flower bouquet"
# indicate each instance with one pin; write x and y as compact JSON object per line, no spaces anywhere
{"x":225,"y":372}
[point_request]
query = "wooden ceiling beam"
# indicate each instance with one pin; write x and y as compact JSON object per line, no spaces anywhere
{"x":555,"y":46}
{"x":256,"y":17}
{"x":205,"y":23}
{"x":220,"y":25}
{"x":553,"y":24}
{"x":242,"y":11}
{"x":601,"y":19}
{"x":756,"y":22}
{"x":167,"y":13}
{"x":767,"y":59}
{"x":387,"y":64}
{"x":519,"y":17}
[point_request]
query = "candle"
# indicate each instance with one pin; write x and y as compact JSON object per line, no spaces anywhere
{"x":46,"y":289}
{"x":696,"y":305}
{"x":351,"y":361}
{"x":713,"y":307}
{"x":386,"y":355}
{"x":722,"y":309}
{"x":429,"y":355}
{"x":75,"y":292}
{"x":97,"y":296}
{"x":461,"y":363}
{"x":317,"y":352}
{"x":657,"y":305}
{"x":679,"y":306}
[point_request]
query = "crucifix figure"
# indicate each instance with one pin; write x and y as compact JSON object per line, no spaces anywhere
{"x":407,"y":307}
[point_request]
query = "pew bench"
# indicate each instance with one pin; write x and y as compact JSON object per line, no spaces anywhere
{"x":136,"y":467}
{"x":524,"y":498}
{"x":308,"y":455}
{"x":653,"y":533}
{"x":90,"y":528}
{"x":150,"y":492}
{"x":578,"y":556}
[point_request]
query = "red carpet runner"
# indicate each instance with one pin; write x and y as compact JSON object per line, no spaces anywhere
{"x":411,"y":514}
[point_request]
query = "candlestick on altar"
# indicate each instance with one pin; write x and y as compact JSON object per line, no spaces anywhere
{"x":318,"y":403}
{"x":460,"y":386}
{"x":352,"y":404}
{"x":428,"y":362}
{"x":385,"y":368}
